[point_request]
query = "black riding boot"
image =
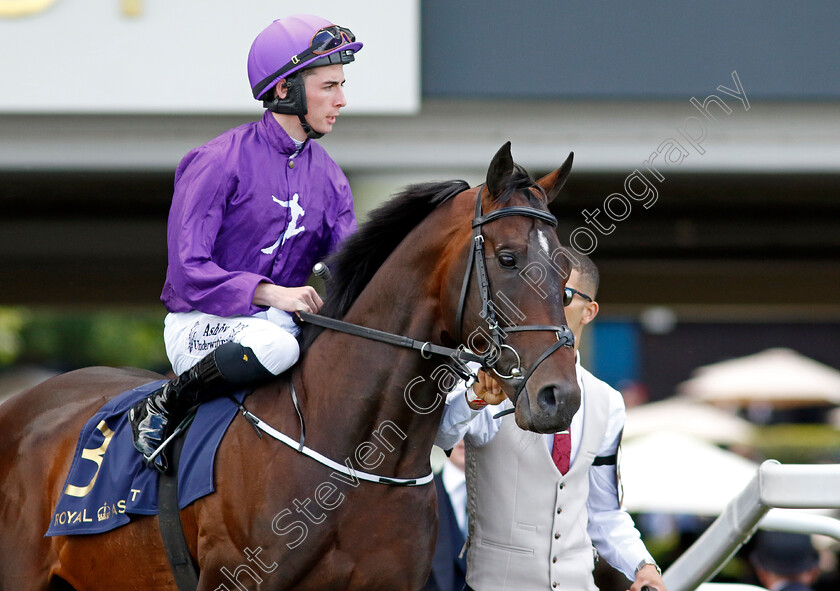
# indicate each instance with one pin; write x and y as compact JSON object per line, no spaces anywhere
{"x":223,"y":371}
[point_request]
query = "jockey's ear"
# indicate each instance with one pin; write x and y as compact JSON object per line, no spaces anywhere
{"x":554,"y":181}
{"x":500,"y":171}
{"x":281,"y":88}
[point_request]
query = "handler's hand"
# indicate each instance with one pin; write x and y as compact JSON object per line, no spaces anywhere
{"x":288,"y":299}
{"x":648,"y":577}
{"x":488,"y":389}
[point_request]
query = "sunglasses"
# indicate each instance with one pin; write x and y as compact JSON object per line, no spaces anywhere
{"x":569,"y":293}
{"x":323,"y":41}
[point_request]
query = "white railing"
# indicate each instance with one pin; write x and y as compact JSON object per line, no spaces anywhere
{"x":789,"y":486}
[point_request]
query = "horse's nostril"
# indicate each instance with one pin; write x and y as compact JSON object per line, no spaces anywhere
{"x":547,"y":398}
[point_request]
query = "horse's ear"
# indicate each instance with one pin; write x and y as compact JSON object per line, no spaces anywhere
{"x":553,"y":182}
{"x":500,"y":171}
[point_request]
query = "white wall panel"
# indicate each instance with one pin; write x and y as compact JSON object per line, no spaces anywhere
{"x":186,"y":56}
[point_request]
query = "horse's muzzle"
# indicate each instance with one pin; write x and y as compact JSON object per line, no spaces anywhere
{"x":551,"y":410}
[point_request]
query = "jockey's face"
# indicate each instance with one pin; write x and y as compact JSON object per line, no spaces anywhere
{"x":324,"y":96}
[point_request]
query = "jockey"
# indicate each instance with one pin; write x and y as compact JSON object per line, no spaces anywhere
{"x":252,"y":211}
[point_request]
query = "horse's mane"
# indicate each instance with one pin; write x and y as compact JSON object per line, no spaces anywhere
{"x":361,"y":254}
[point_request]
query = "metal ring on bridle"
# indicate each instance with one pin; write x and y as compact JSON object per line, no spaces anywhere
{"x":516,"y":370}
{"x":423,"y":353}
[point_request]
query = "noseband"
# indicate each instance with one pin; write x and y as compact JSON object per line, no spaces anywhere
{"x":498,"y":334}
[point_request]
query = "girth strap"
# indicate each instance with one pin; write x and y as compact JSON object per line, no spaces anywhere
{"x":183,"y":568}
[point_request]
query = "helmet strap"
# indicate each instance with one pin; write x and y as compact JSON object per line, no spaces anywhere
{"x":293,"y":104}
{"x":310,"y":133}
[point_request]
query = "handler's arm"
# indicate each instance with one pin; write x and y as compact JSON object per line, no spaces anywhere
{"x":611,"y":528}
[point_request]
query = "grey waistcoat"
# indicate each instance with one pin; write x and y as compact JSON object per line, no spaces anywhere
{"x":527,"y":521}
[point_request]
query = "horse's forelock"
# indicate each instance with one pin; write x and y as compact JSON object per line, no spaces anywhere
{"x":522,"y":182}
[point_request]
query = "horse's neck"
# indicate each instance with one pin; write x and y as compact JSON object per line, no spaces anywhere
{"x":364,"y":391}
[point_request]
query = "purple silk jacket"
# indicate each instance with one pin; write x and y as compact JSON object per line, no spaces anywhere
{"x":244,"y":211}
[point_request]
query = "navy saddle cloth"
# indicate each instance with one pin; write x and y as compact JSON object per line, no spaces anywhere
{"x":108,"y":481}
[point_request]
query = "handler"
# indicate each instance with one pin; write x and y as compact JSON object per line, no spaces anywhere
{"x":538,"y":503}
{"x":252,"y":211}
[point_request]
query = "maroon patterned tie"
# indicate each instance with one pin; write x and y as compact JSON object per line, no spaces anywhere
{"x":562,"y":451}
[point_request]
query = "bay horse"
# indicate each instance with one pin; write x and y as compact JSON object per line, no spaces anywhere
{"x":279,"y":519}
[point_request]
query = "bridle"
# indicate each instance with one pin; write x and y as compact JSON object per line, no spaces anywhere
{"x":461,"y":356}
{"x":498,"y":334}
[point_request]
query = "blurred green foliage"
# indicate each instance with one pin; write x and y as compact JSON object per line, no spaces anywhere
{"x":11,"y":322}
{"x":798,"y":443}
{"x":68,"y":339}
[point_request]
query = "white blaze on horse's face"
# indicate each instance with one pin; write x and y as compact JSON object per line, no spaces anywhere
{"x":541,"y":237}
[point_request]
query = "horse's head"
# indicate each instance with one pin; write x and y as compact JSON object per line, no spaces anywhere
{"x":510,"y":294}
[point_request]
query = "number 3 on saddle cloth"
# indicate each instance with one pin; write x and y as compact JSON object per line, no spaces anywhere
{"x":108,"y":480}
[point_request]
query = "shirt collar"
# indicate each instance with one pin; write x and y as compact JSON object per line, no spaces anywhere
{"x":277,"y":136}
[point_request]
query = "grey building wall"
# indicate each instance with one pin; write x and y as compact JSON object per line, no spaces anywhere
{"x":549,"y":49}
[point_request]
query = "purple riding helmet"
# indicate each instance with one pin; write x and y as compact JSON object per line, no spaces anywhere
{"x":288,"y":46}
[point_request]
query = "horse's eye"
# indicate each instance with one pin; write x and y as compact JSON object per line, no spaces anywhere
{"x":507,"y":260}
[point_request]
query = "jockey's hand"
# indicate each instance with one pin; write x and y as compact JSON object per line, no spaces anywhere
{"x":288,"y":299}
{"x":649,"y":577}
{"x":487,"y":389}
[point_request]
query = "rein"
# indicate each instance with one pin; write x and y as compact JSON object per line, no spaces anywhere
{"x":461,"y":355}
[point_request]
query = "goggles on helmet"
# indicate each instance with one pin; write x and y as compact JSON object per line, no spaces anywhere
{"x":325,"y":40}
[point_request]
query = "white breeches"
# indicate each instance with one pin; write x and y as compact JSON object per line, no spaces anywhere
{"x":190,"y":336}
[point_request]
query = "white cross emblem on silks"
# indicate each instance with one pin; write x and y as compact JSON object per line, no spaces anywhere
{"x":292,"y":229}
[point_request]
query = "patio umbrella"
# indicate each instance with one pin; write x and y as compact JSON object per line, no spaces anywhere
{"x":673,"y":473}
{"x":689,"y":417}
{"x":777,"y":377}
